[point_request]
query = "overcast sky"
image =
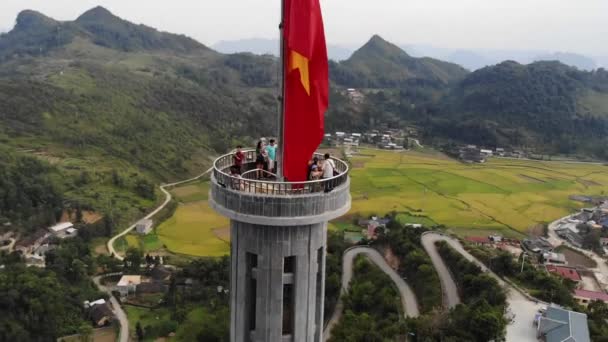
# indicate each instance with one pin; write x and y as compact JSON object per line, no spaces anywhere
{"x":558,"y":25}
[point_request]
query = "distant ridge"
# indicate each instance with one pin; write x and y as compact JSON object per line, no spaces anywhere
{"x":262,"y":46}
{"x":36,"y":34}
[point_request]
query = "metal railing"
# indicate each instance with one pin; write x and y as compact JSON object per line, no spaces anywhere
{"x":222,"y":176}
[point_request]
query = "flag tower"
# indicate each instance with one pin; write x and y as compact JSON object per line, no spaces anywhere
{"x":278,"y":226}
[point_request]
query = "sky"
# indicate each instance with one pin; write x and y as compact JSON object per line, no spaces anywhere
{"x":579,"y":26}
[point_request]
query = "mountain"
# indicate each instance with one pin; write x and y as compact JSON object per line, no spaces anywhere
{"x":115,"y":107}
{"x":572,"y":59}
{"x":380,"y":64}
{"x":549,"y":106}
{"x":260,"y":46}
{"x":36,"y":34}
{"x":474,"y":59}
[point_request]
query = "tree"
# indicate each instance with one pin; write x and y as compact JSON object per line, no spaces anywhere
{"x":139,"y":331}
{"x":145,"y":189}
{"x":86,"y":332}
{"x":133,"y":259}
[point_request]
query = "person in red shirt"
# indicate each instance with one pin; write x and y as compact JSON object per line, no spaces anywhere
{"x":238,"y":158}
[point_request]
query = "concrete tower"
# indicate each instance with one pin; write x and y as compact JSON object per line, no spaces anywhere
{"x":278,"y":247}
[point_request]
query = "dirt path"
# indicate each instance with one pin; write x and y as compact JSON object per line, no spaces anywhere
{"x":168,"y":198}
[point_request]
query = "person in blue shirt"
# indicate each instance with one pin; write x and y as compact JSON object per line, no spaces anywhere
{"x":271,"y":149}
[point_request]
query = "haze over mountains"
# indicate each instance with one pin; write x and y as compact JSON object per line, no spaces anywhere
{"x":471,"y":59}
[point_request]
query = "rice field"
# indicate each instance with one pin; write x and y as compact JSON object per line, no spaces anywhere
{"x":195,"y":229}
{"x":498,"y":195}
{"x":503,"y":195}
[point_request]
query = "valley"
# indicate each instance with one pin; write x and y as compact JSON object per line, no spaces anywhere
{"x":503,"y":196}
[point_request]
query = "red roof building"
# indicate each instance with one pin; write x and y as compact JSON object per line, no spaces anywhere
{"x":565,"y":272}
{"x":477,"y":239}
{"x":584,"y":297}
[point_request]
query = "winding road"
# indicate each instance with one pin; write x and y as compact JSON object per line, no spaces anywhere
{"x":521,"y":309}
{"x":116,"y":308}
{"x":168,"y":197}
{"x":408,"y":298}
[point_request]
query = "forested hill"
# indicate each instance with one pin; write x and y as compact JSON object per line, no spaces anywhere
{"x":546,"y":106}
{"x":36,"y":34}
{"x":111,"y":108}
{"x":380,"y":64}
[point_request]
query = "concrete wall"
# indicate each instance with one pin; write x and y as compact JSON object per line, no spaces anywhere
{"x":272,"y":244}
{"x":280,"y":210}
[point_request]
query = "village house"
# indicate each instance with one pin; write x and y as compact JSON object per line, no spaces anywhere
{"x":538,"y":245}
{"x":144,"y":227}
{"x":565,"y":272}
{"x":559,"y":325}
{"x":127,"y":284}
{"x":554,"y":258}
{"x":101,"y":315}
{"x":63,"y":230}
{"x":584,"y":297}
{"x":478,"y":240}
{"x":160,"y":273}
{"x":29,"y":244}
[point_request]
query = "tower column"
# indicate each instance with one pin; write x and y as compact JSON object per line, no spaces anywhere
{"x":278,"y":248}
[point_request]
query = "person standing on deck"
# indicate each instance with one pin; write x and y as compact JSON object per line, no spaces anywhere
{"x":272,"y":155}
{"x":238,"y":158}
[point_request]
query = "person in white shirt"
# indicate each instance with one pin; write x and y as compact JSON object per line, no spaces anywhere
{"x":328,"y":167}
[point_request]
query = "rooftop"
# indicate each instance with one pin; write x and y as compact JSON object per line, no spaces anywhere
{"x":559,"y":325}
{"x":477,"y":239}
{"x":593,"y":295}
{"x":129,"y":280}
{"x":565,"y":272}
{"x":60,"y":227}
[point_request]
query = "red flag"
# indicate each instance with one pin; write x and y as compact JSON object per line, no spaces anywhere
{"x":306,"y":85}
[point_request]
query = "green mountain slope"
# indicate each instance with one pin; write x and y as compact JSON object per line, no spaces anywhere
{"x":380,"y":64}
{"x":117,"y":105}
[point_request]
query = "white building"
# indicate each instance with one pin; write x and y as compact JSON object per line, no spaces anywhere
{"x":127,"y":284}
{"x":488,"y":153}
{"x":64,"y":230}
{"x":144,"y":227}
{"x":60,"y":227}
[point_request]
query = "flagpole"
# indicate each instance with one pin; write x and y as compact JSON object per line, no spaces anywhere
{"x":281,"y":96}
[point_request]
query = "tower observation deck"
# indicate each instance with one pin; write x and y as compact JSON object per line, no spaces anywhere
{"x":278,"y":247}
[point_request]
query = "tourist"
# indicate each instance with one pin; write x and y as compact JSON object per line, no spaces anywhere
{"x":237,"y":180}
{"x":238,"y":158}
{"x":329,"y":170}
{"x":272,"y":155}
{"x":314,"y":170}
{"x":260,"y":159}
{"x":328,"y":167}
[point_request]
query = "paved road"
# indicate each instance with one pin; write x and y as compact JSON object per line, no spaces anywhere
{"x":521,"y":309}
{"x":408,"y":298}
{"x":168,"y":197}
{"x":448,"y":286}
{"x":117,"y":309}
